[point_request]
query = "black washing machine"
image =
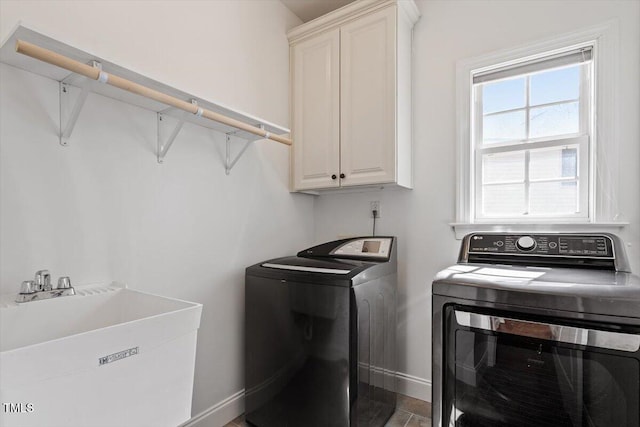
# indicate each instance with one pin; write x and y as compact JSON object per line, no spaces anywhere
{"x":320,"y":345}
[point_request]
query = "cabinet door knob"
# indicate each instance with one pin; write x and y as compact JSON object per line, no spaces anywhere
{"x":333,"y":176}
{"x":342,"y":175}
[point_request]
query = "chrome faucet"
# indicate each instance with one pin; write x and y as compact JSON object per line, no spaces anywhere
{"x":43,"y":280}
{"x":40,"y":288}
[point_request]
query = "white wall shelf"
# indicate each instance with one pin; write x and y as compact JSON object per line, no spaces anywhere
{"x":75,"y":88}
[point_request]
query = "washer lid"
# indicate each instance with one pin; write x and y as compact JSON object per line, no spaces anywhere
{"x":312,"y":265}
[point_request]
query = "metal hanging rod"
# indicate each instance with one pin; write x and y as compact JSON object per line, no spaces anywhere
{"x":94,"y":73}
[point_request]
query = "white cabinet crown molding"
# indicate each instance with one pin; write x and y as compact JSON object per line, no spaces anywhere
{"x":349,"y":12}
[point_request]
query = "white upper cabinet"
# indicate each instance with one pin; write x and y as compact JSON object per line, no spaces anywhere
{"x":367,"y":99}
{"x":316,"y":94}
{"x":351,"y":96}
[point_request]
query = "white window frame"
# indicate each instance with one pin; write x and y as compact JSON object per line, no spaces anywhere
{"x":603,"y":158}
{"x":581,"y":139}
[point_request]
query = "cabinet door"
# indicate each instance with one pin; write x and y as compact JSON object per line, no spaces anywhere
{"x":367,"y":98}
{"x":316,"y":111}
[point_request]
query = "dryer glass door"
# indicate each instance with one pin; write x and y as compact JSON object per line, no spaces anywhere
{"x":505,"y":369}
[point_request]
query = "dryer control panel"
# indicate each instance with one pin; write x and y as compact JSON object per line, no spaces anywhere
{"x":562,"y":245}
{"x":361,"y":248}
{"x":370,"y":247}
{"x":573,"y":250}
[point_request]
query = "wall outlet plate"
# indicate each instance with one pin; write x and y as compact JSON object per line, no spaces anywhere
{"x":374,"y":206}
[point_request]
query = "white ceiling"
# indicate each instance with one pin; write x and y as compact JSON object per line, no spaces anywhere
{"x":311,"y":9}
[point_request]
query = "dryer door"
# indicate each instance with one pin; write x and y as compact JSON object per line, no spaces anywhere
{"x":508,"y":369}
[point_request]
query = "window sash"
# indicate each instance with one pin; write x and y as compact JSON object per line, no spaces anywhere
{"x":581,"y":177}
{"x":584,"y":105}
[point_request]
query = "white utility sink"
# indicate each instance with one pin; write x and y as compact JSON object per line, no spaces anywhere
{"x":108,"y":356}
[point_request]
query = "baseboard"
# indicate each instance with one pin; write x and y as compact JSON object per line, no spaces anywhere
{"x":219,"y":414}
{"x":222,"y":412}
{"x":416,"y":387}
{"x":409,"y":385}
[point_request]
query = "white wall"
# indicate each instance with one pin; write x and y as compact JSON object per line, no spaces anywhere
{"x":103,"y":209}
{"x":447,"y":32}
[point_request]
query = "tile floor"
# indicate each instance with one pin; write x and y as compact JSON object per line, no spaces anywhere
{"x":410,"y":412}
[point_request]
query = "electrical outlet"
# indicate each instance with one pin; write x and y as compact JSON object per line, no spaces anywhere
{"x":374,"y":206}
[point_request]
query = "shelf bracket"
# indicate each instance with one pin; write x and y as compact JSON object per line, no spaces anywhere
{"x":229,"y":163}
{"x":69,"y":114}
{"x":165,"y":144}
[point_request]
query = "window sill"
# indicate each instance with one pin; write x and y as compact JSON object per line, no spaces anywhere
{"x":463,"y":228}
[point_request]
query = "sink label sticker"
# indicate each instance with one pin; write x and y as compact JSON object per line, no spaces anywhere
{"x":118,"y":356}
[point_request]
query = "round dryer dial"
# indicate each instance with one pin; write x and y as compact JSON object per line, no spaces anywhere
{"x":526,"y":243}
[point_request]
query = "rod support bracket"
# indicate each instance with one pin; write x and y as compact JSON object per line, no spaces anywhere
{"x":165,"y":139}
{"x":71,"y":105}
{"x":230,"y":163}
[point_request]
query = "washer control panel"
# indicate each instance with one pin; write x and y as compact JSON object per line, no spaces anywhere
{"x":370,"y":247}
{"x":560,"y":245}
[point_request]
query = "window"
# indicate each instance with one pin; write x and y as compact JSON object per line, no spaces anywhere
{"x":531,"y":124}
{"x":537,"y":135}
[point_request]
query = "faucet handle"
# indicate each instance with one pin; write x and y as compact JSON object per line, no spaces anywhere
{"x":28,"y":287}
{"x":43,"y":280}
{"x":64,"y":282}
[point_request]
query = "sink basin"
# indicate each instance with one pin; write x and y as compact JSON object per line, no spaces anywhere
{"x":107,"y":356}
